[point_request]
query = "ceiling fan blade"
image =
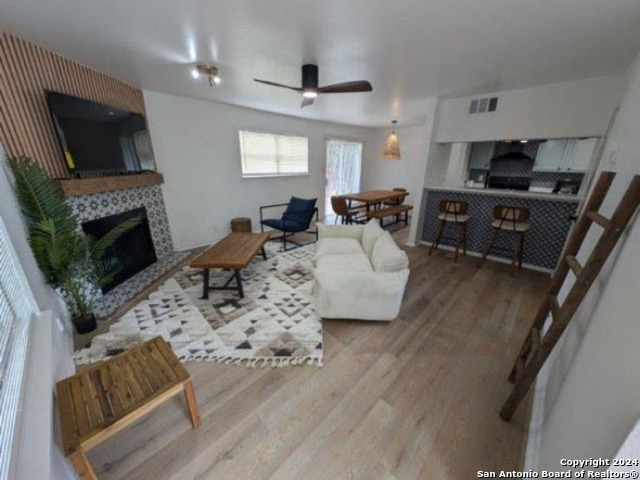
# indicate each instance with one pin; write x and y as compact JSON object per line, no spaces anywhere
{"x":347,"y":87}
{"x":273,"y":84}
{"x":306,"y":102}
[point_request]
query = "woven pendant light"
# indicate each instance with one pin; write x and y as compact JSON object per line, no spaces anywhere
{"x":392,"y":146}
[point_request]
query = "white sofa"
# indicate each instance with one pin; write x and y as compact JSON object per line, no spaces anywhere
{"x":360,"y":272}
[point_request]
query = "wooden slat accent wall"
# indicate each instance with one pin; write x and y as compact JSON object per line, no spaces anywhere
{"x":26,"y":71}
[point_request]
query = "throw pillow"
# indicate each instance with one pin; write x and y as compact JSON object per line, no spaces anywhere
{"x":387,"y":256}
{"x":370,"y":234}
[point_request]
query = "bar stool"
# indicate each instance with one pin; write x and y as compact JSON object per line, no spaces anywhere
{"x":452,"y":211}
{"x":512,"y":219}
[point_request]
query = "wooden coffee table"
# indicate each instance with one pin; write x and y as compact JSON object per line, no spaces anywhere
{"x":233,"y":252}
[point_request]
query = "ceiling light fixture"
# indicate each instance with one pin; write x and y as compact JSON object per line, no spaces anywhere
{"x":210,"y":71}
{"x":310,"y":94}
{"x":524,"y":140}
{"x":392,"y":146}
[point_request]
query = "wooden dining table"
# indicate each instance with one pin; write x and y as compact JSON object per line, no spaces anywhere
{"x":373,"y":197}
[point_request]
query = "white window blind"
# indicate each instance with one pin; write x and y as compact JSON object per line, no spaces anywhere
{"x":16,"y":308}
{"x":268,"y":154}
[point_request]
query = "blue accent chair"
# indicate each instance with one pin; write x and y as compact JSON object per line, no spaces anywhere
{"x":296,"y":218}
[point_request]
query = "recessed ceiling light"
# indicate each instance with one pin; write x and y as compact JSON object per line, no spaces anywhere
{"x":524,"y":140}
{"x":195,"y":73}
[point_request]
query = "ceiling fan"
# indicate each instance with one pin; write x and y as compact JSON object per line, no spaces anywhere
{"x":311,"y":90}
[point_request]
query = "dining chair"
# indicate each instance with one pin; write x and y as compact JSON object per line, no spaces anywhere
{"x":340,"y":208}
{"x":398,"y":200}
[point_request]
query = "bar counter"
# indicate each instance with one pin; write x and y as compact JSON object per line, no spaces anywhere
{"x":550,"y":221}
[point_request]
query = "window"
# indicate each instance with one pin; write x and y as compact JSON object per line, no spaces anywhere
{"x":16,"y":307}
{"x":271,"y":155}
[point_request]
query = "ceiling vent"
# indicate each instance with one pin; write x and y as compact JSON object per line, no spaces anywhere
{"x":483,"y":105}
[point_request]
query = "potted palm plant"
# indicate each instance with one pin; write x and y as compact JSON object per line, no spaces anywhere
{"x":72,"y":263}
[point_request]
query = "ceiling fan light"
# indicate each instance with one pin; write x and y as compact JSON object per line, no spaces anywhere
{"x":310,"y":94}
{"x":392,"y":145}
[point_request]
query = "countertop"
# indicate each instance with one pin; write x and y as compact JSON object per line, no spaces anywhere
{"x":553,"y":197}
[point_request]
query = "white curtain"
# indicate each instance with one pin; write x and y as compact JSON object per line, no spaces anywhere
{"x":344,"y":168}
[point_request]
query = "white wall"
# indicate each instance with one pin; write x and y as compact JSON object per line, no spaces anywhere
{"x":49,"y":347}
{"x":12,"y":218}
{"x":406,"y":172}
{"x":592,"y":396}
{"x":457,"y":165}
{"x":196,"y":147}
{"x":580,"y":108}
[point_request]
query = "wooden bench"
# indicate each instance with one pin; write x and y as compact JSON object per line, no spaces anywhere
{"x":394,"y":211}
{"x":105,"y":398}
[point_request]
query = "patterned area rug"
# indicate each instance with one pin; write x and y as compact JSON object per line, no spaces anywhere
{"x":274,"y":325}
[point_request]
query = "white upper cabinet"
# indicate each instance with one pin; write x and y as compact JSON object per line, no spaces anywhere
{"x":549,"y":157}
{"x":567,"y":155}
{"x":579,"y":154}
{"x":480,"y":155}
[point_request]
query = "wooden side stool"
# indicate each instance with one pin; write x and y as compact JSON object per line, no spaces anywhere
{"x":104,"y":398}
{"x":452,"y":211}
{"x":511,"y":219}
{"x":241,"y":224}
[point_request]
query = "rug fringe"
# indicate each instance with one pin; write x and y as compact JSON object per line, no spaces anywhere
{"x":255,"y":362}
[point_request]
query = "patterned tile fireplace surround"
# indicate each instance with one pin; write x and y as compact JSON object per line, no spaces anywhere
{"x":98,"y":205}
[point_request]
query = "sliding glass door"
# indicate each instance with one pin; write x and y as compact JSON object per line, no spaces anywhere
{"x":344,"y":169}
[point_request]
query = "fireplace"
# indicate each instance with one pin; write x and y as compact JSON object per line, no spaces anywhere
{"x":133,"y":251}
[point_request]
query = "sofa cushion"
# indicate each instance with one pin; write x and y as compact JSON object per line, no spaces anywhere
{"x":387,"y":256}
{"x":370,"y":234}
{"x":355,"y":262}
{"x":337,"y":246}
{"x":342,"y":231}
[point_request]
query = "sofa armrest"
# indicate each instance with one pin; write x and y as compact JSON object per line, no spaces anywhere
{"x":340,"y":231}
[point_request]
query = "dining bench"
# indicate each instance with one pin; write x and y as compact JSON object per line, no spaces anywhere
{"x":394,"y":211}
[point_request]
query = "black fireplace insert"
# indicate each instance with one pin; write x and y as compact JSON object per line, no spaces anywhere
{"x":133,"y":251}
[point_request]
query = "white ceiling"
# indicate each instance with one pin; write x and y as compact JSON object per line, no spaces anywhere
{"x":408,"y":50}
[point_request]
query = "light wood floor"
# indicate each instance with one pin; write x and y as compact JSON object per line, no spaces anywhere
{"x":417,"y":398}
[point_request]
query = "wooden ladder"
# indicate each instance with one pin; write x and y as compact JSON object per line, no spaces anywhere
{"x":538,"y":346}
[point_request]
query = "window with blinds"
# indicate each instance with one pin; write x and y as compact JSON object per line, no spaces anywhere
{"x":271,"y":155}
{"x":16,"y":308}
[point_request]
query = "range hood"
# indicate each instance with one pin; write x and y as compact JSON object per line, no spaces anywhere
{"x":514,"y":156}
{"x":511,"y":170}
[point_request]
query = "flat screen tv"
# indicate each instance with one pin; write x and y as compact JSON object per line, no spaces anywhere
{"x":97,"y":138}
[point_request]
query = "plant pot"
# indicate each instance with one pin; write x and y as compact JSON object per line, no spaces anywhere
{"x":85,"y":325}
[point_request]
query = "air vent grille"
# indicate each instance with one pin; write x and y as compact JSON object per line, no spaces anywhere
{"x":483,"y":105}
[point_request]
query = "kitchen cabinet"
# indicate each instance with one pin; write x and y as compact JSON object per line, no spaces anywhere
{"x":566,"y":155}
{"x":549,"y":157}
{"x":578,"y":155}
{"x":480,"y":155}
